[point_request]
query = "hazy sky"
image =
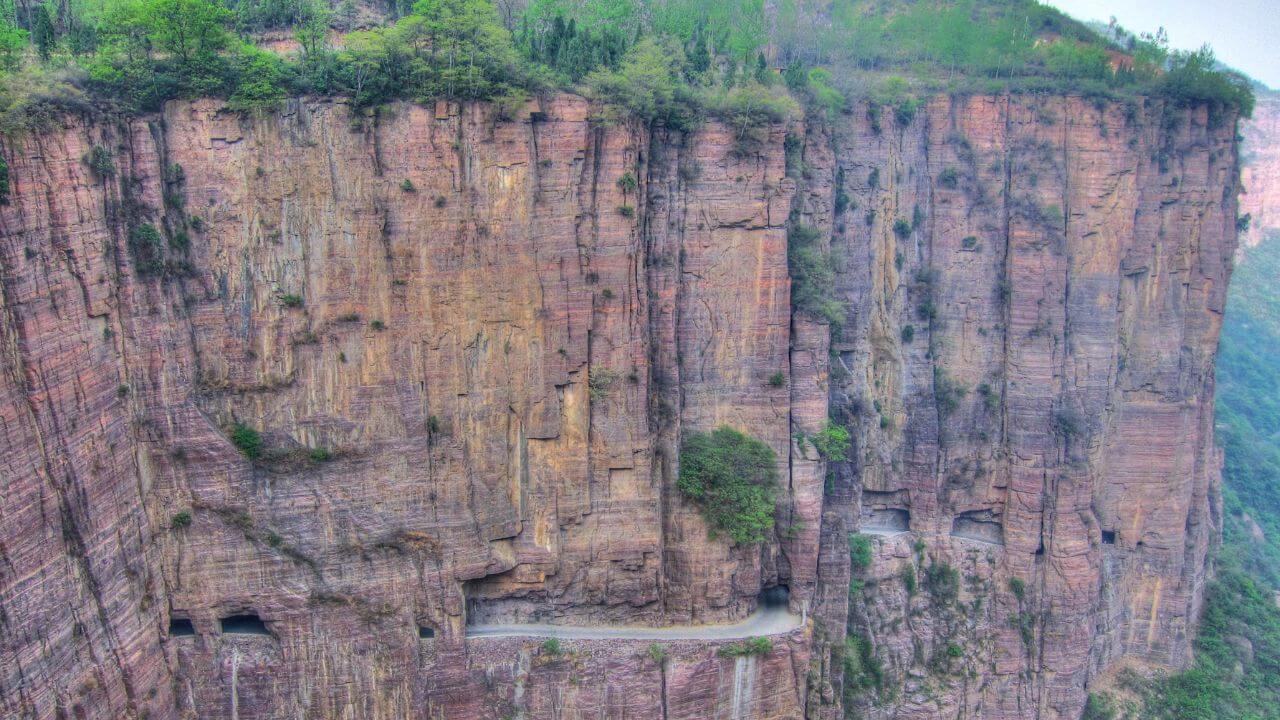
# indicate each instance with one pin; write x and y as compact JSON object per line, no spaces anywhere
{"x":1244,"y":33}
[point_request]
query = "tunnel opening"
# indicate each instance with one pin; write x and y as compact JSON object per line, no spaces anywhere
{"x":980,"y":525}
{"x":425,"y":632}
{"x":884,"y":512}
{"x":886,"y":520}
{"x":244,"y":625}
{"x":1108,"y":537}
{"x":181,"y":627}
{"x":778,"y":596}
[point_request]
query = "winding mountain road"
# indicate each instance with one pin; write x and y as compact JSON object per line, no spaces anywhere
{"x":767,"y":620}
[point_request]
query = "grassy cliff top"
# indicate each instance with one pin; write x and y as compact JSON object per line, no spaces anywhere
{"x":671,"y":61}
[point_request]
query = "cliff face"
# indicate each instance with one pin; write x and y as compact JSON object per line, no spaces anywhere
{"x":496,"y":340}
{"x":1260,"y":169}
{"x":1047,"y":422}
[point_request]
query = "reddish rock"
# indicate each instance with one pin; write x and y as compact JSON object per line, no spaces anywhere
{"x":499,"y":343}
{"x":1260,"y":169}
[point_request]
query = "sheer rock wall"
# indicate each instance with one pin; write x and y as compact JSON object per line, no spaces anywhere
{"x":498,"y":338}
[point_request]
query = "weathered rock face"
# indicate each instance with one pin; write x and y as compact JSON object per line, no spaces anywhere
{"x":1260,"y":169}
{"x":497,"y":340}
{"x":1045,"y":425}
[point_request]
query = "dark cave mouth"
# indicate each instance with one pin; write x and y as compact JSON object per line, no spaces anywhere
{"x":246,"y":624}
{"x":778,"y":596}
{"x":181,"y":627}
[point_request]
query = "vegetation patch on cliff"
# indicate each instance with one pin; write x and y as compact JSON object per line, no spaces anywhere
{"x":1237,"y":669}
{"x":668,"y":61}
{"x":733,"y":480}
{"x":812,"y":275}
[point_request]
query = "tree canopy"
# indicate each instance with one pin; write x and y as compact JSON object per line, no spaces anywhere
{"x":667,"y":61}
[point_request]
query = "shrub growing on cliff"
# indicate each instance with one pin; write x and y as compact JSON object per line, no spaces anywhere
{"x":657,"y":653}
{"x":99,"y":161}
{"x":247,"y":440}
{"x":909,"y":579}
{"x":942,"y":581}
{"x":600,"y":381}
{"x":862,"y":670}
{"x":146,"y":247}
{"x":1099,"y":707}
{"x":948,"y":392}
{"x":733,"y":479}
{"x":750,"y":646}
{"x":832,"y":442}
{"x":859,"y":552}
{"x":1193,"y":79}
{"x":1018,"y":588}
{"x":750,"y":110}
{"x":812,"y":276}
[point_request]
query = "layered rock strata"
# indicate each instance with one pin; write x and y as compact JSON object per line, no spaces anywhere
{"x":471,"y":344}
{"x":1260,"y":170}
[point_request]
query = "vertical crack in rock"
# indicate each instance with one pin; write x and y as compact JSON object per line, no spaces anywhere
{"x":1030,"y":310}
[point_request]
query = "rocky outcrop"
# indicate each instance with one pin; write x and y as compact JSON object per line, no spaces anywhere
{"x":471,"y":344}
{"x":1036,"y":290}
{"x":1260,"y":170}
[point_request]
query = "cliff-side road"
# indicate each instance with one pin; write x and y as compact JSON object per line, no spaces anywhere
{"x":765,"y":621}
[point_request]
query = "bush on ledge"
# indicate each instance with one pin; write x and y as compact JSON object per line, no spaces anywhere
{"x":733,"y":479}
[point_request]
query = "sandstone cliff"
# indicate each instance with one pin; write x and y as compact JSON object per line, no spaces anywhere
{"x":1260,"y":169}
{"x":471,"y":352}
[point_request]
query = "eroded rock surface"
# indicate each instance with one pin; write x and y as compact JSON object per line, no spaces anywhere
{"x":1260,"y":170}
{"x":471,"y":345}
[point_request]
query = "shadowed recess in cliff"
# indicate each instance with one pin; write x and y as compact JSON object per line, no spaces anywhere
{"x":244,"y":625}
{"x":885,"y":513}
{"x":772,"y":617}
{"x":980,"y":526}
{"x":181,"y":627}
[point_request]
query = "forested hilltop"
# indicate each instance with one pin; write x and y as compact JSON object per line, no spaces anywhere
{"x":672,"y":61}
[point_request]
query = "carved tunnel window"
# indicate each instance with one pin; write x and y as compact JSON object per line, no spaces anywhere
{"x":980,"y":525}
{"x":885,"y":512}
{"x":1108,"y":537}
{"x":426,"y":633}
{"x":181,"y":627}
{"x":777,"y":596}
{"x":244,"y":625}
{"x":886,"y":520}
